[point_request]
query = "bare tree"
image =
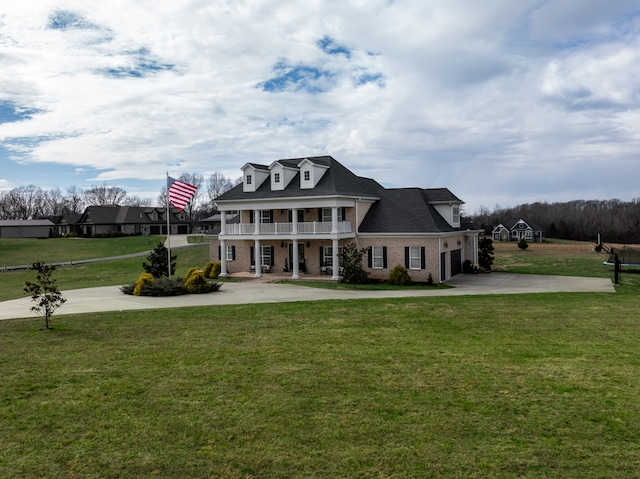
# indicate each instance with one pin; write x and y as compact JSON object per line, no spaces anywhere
{"x":75,"y":202}
{"x":23,"y":203}
{"x":104,"y":195}
{"x":217,"y":185}
{"x":137,"y":201}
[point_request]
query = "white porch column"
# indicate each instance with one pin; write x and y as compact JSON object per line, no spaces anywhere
{"x":296,"y":261}
{"x":223,"y":258}
{"x":256,"y":258}
{"x":294,"y":221}
{"x":256,"y":221}
{"x":334,"y":220}
{"x":334,"y":255}
{"x":223,"y":222}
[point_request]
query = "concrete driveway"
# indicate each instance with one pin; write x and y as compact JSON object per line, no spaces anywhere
{"x":110,"y":298}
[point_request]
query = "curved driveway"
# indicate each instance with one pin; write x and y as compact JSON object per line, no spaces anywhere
{"x":110,"y":298}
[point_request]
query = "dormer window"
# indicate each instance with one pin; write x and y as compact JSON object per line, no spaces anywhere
{"x":248,"y":179}
{"x":456,"y":214}
{"x":307,"y":175}
{"x":276,"y":177}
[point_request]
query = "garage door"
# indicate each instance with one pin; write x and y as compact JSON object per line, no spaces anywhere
{"x":456,"y":262}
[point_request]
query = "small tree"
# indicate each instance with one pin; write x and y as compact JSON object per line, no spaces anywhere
{"x":485,"y":252}
{"x":350,"y":259}
{"x":158,"y":260}
{"x":522,"y":244}
{"x":44,"y":292}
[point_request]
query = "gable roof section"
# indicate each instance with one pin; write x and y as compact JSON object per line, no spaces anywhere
{"x":337,"y":181}
{"x":408,"y":210}
{"x":512,"y":222}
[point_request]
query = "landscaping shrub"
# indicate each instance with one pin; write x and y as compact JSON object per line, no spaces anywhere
{"x":195,"y":282}
{"x":143,"y":279}
{"x":212,"y":270}
{"x":399,"y":276}
{"x":522,"y":244}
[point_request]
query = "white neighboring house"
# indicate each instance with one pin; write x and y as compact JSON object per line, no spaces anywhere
{"x":515,"y":229}
{"x":293,"y":216}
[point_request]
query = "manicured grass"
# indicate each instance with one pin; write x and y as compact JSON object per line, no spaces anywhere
{"x":565,"y":258}
{"x":509,"y":386}
{"x":60,"y":250}
{"x":108,"y":273}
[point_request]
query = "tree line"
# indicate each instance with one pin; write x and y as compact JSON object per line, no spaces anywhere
{"x":33,"y":202}
{"x":615,"y":220}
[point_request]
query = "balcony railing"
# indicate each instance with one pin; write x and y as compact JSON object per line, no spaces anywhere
{"x":315,"y":228}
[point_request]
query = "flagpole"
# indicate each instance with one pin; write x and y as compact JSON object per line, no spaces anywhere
{"x":168,"y":231}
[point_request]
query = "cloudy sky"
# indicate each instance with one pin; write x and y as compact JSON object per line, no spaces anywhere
{"x":502,"y":101}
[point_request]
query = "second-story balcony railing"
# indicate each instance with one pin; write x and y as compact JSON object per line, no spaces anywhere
{"x":314,"y":228}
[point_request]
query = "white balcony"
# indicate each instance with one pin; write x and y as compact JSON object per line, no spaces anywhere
{"x":286,"y":229}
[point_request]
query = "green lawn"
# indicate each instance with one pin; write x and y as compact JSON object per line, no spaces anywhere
{"x":108,"y":273}
{"x":60,"y":250}
{"x":514,"y":386}
{"x":542,"y":385}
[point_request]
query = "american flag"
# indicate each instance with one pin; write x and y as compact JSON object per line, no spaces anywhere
{"x":180,"y":193}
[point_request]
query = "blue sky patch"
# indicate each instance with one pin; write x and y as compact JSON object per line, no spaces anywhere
{"x":365,"y":78}
{"x":68,"y":20}
{"x":298,"y":78}
{"x":330,"y":47}
{"x":10,"y":112}
{"x":142,"y":65}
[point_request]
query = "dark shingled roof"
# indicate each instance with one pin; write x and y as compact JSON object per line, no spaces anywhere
{"x":407,"y":210}
{"x":401,"y":210}
{"x":337,"y":180}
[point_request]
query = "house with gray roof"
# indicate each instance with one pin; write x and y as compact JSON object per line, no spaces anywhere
{"x":294,"y":215}
{"x":515,"y":229}
{"x":106,"y":220}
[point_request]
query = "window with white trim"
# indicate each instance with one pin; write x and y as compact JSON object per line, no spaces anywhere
{"x":327,"y":215}
{"x":265,"y":255}
{"x":327,"y":256}
{"x":456,"y":214}
{"x":265,"y":216}
{"x":276,"y":177}
{"x":415,"y":257}
{"x":248,"y":179}
{"x":377,"y":257}
{"x":229,"y":253}
{"x":307,"y":175}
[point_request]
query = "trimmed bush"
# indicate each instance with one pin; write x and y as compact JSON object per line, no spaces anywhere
{"x":195,"y":282}
{"x":399,"y":276}
{"x":212,"y":270}
{"x":145,"y":279}
{"x":522,"y":244}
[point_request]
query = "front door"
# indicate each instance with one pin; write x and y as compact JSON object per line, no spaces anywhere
{"x":301,"y":263}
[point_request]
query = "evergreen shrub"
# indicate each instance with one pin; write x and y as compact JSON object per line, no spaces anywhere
{"x":399,"y":276}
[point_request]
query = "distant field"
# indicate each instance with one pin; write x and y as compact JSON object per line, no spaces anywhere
{"x":60,"y":250}
{"x":108,"y":273}
{"x":565,"y":258}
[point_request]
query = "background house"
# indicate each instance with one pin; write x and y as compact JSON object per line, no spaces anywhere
{"x":517,"y":228}
{"x":131,"y":220}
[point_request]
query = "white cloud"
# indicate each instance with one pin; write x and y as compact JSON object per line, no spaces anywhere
{"x":502,"y":101}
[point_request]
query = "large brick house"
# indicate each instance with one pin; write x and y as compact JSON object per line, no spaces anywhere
{"x":293,"y":216}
